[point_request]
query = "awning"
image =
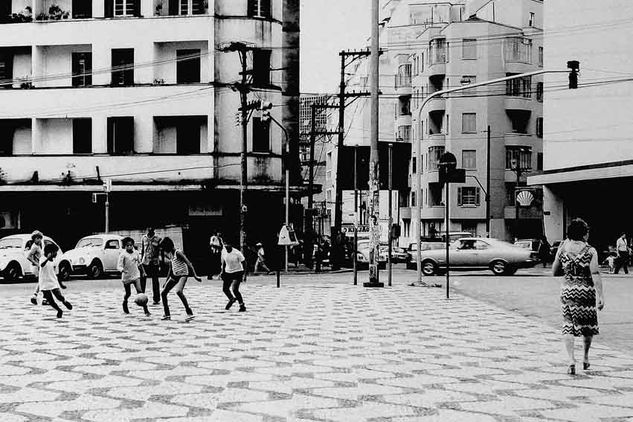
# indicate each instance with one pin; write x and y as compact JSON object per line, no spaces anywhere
{"x":613,"y":170}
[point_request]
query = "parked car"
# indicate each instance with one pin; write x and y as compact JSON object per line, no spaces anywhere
{"x":13,"y":263}
{"x":93,"y":256}
{"x":427,"y":245}
{"x":398,"y":254}
{"x":362,"y":256}
{"x":502,"y":258}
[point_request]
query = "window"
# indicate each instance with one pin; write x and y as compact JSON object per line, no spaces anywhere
{"x":112,"y":244}
{"x":404,"y":133}
{"x":404,"y":75}
{"x":120,"y":135}
{"x":521,"y":87}
{"x":188,"y":137}
{"x":82,"y":69}
{"x":539,"y":91}
{"x":413,"y":203}
{"x":82,"y":9}
{"x":518,"y":50}
{"x":259,"y":9}
{"x":437,"y":51}
{"x":261,"y":67}
{"x":261,"y":135}
{"x":434,"y":157}
{"x":122,"y":66}
{"x":539,"y":161}
{"x":539,"y":127}
{"x":540,"y":56}
{"x":82,"y":136}
{"x":469,"y":159}
{"x":421,"y":62}
{"x":469,"y":49}
{"x":188,"y":66}
{"x":510,"y":193}
{"x":532,"y":19}
{"x":518,"y":155}
{"x":468,"y":80}
{"x":434,"y":196}
{"x":6,"y":69}
{"x":469,"y":122}
{"x":468,"y":196}
{"x":470,"y":227}
{"x":122,"y":8}
{"x":414,"y":165}
{"x":189,"y":7}
{"x":405,"y":106}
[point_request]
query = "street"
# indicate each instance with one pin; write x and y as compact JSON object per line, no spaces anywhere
{"x":317,"y":349}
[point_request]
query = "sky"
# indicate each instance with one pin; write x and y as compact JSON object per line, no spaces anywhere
{"x":327,"y":27}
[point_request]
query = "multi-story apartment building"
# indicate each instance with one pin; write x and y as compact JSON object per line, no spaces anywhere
{"x":483,"y":41}
{"x":588,"y":153}
{"x":139,"y":92}
{"x":323,"y":138}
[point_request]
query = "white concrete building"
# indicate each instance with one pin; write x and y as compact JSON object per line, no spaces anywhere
{"x":588,"y":153}
{"x":138,"y":91}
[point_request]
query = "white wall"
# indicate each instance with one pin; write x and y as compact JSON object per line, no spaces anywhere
{"x":22,"y":141}
{"x":166,"y":52}
{"x":57,"y":60}
{"x":55,"y":136}
{"x":21,"y":67}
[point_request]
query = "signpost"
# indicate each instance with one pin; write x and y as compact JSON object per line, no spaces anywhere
{"x":449,"y":173}
{"x":287,"y":237}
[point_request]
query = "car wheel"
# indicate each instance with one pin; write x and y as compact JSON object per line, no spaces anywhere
{"x":499,"y":267}
{"x":429,"y":268}
{"x":95,"y":270}
{"x":64,"y":271}
{"x":12,"y":272}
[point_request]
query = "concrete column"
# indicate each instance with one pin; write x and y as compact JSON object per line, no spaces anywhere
{"x":98,"y":8}
{"x":36,"y":65}
{"x":101,"y":60}
{"x":144,"y":133}
{"x":554,"y":214}
{"x":99,"y":134}
{"x":143,"y":54}
{"x":147,"y":8}
{"x":36,"y":134}
{"x":38,"y":7}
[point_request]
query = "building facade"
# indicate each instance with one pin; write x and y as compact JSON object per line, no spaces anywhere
{"x":139,"y":92}
{"x":588,"y":153}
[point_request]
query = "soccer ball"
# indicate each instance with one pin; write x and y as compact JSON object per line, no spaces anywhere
{"x":141,"y":299}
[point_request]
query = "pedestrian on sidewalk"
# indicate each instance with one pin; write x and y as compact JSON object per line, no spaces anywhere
{"x":261,"y":259}
{"x":581,"y":290}
{"x":129,"y":264}
{"x":622,"y":249}
{"x":544,"y":251}
{"x":217,"y":244}
{"x":33,"y":255}
{"x":233,"y":273}
{"x":48,"y":283}
{"x":150,"y":258}
{"x":179,"y":269}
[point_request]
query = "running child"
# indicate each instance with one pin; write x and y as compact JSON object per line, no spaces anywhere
{"x":48,"y":283}
{"x":179,"y":269}
{"x":233,"y":273}
{"x":130,"y":266}
{"x":34,"y":255}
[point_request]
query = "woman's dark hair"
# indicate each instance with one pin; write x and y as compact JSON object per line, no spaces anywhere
{"x":577,"y":229}
{"x":167,"y":244}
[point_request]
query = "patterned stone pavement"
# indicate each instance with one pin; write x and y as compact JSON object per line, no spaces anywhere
{"x":301,"y":353}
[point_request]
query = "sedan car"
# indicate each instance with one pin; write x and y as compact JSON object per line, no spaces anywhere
{"x":502,"y":258}
{"x":427,"y":245}
{"x":13,"y":263}
{"x":93,"y":256}
{"x":362,"y":256}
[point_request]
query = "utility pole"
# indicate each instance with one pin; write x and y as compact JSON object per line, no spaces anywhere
{"x":243,"y":158}
{"x":309,"y":222}
{"x":517,"y":169}
{"x":356,"y":215}
{"x":488,"y":211}
{"x":374,"y":168}
{"x":390,"y":246}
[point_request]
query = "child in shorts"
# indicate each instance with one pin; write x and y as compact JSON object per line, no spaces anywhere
{"x":179,"y":269}
{"x":130,"y":266}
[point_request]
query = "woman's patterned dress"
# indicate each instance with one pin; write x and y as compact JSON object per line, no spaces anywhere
{"x":578,"y":294}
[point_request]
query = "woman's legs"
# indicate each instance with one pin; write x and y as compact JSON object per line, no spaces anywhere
{"x":569,"y":345}
{"x":126,"y":296}
{"x":168,"y":286}
{"x":235,"y":286}
{"x":587,"y":343}
{"x":180,"y":292}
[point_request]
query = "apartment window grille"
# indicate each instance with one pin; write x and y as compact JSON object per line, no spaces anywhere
{"x":82,"y":136}
{"x":188,"y":66}
{"x":521,"y":87}
{"x":469,"y":122}
{"x":121,"y":135}
{"x":259,"y":9}
{"x":518,"y":50}
{"x":123,"y":67}
{"x":190,"y":7}
{"x":468,"y":196}
{"x":126,"y":7}
{"x":469,"y":159}
{"x":261,"y":135}
{"x":434,"y":156}
{"x":82,"y":9}
{"x":520,"y":155}
{"x":82,"y":69}
{"x":539,"y":91}
{"x":261,"y":67}
{"x":540,"y":56}
{"x":539,"y":127}
{"x":469,"y":49}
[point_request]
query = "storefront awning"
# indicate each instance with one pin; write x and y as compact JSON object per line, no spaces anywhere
{"x":613,"y":170}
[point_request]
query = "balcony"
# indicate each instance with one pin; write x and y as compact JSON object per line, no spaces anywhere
{"x":433,"y":213}
{"x":405,"y":213}
{"x":403,"y":85}
{"x":404,"y":120}
{"x":519,"y":103}
{"x":436,"y":139}
{"x":519,"y":139}
{"x":436,"y":104}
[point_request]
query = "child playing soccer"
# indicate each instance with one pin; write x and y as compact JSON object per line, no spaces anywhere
{"x":179,"y":269}
{"x":34,"y":255}
{"x":130,"y":266}
{"x":48,"y":283}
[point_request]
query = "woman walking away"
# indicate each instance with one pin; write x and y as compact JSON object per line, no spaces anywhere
{"x":179,"y":269}
{"x":582,"y":285}
{"x":232,"y":275}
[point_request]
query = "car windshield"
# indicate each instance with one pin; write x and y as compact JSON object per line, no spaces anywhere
{"x":89,"y":242}
{"x":11,"y":243}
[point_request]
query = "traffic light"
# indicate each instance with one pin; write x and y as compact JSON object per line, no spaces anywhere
{"x":265,"y":108}
{"x":574,"y":66}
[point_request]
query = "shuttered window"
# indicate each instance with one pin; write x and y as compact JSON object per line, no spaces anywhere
{"x":259,"y":9}
{"x":468,"y":196}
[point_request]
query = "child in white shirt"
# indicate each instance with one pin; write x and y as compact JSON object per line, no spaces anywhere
{"x":130,"y":266}
{"x":48,"y":283}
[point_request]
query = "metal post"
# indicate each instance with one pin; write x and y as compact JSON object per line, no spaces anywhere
{"x":517,"y":169}
{"x":309,"y":218}
{"x":356,"y":216}
{"x":448,"y":239}
{"x":488,"y":211}
{"x":390,"y":246}
{"x":243,"y":158}
{"x":418,"y":205}
{"x":374,"y":168}
{"x":107,"y":212}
